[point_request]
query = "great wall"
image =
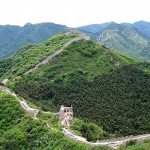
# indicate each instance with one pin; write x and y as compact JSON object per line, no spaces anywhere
{"x":66,"y":117}
{"x":66,"y":113}
{"x":57,"y":52}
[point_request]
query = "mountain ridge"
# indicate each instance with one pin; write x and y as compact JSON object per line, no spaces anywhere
{"x":14,"y":37}
{"x":125,"y":38}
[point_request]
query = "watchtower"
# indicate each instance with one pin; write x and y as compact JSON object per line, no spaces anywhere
{"x":65,"y":116}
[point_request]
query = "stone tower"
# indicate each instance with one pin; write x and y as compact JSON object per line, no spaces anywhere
{"x":65,"y":116}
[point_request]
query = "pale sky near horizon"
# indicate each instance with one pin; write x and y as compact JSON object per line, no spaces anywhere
{"x":73,"y":13}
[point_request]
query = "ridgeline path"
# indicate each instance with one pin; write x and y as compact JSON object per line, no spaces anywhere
{"x":114,"y":143}
{"x":57,"y":52}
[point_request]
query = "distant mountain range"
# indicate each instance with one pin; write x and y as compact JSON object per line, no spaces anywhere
{"x":132,"y":40}
{"x":14,"y":37}
{"x":142,"y":26}
{"x":129,"y":39}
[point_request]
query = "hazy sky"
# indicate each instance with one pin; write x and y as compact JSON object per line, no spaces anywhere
{"x":73,"y":12}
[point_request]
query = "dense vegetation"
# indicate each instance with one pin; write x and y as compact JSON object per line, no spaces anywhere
{"x":103,"y":86}
{"x":14,"y":37}
{"x":100,"y":81}
{"x":89,"y":130}
{"x":118,"y":101}
{"x":19,"y":131}
{"x":28,"y":56}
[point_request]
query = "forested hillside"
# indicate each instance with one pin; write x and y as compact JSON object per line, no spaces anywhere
{"x":119,"y":101}
{"x":103,"y":86}
{"x":20,"y":131}
{"x":14,"y":37}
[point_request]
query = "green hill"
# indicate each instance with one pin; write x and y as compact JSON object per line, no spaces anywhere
{"x":102,"y":78}
{"x":104,"y":87}
{"x":119,"y":101}
{"x":133,"y":145}
{"x":14,"y":37}
{"x":28,"y":56}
